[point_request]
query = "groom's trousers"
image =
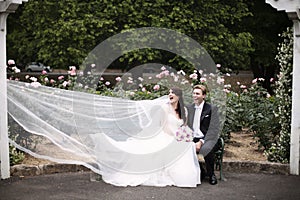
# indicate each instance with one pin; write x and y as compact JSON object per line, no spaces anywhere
{"x":209,"y":161}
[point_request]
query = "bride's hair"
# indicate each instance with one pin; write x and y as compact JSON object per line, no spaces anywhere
{"x":180,"y":106}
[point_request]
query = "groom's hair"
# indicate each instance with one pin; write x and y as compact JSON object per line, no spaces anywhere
{"x":201,"y":87}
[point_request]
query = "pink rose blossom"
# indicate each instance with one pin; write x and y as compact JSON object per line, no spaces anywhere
{"x":118,"y":79}
{"x":166,"y":72}
{"x":44,"y":72}
{"x":193,"y":76}
{"x":226,"y":90}
{"x":72,"y":70}
{"x":202,"y":80}
{"x":11,"y":62}
{"x":60,"y":77}
{"x":107,"y":83}
{"x":156,"y":87}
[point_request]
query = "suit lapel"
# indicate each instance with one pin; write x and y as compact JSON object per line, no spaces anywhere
{"x":204,"y":111}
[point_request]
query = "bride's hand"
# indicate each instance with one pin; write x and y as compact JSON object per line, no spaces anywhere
{"x":198,"y":146}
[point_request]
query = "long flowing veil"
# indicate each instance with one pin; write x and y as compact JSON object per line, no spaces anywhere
{"x":81,"y":128}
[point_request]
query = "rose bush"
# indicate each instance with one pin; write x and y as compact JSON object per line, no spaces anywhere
{"x":251,"y":107}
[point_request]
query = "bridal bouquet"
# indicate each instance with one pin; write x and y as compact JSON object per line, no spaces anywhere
{"x":184,"y":133}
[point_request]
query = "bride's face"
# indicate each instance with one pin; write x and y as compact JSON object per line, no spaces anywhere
{"x":173,"y":97}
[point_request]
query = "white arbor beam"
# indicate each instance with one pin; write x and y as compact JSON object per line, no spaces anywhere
{"x":4,"y":151}
{"x":6,"y":7}
{"x":292,"y":8}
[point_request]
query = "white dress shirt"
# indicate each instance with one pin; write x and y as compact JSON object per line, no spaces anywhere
{"x":196,"y":122}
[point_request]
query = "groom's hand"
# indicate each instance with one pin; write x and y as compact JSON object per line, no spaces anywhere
{"x":198,"y":146}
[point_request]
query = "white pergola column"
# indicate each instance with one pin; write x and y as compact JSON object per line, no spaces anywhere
{"x":6,"y":7}
{"x":4,"y":152}
{"x":292,"y":8}
{"x":295,"y":126}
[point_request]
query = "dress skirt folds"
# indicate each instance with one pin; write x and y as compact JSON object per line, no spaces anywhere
{"x":158,"y":161}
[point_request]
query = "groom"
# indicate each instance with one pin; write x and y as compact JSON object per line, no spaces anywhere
{"x":203,"y":119}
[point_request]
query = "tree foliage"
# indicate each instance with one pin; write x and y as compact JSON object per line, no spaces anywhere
{"x":265,"y":26}
{"x":62,"y":33}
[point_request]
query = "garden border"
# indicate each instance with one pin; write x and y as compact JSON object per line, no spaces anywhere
{"x":228,"y":166}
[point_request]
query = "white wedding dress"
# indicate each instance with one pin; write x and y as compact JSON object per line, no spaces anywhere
{"x":180,"y":170}
{"x":127,"y":142}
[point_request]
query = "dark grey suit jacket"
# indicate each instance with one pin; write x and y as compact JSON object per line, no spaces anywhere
{"x":209,"y":125}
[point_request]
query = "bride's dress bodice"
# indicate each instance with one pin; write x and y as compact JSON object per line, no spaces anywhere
{"x":173,"y":123}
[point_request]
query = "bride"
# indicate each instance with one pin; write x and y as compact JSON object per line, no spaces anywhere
{"x":174,"y":167}
{"x":127,"y":142}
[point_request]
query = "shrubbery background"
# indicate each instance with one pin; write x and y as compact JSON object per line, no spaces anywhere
{"x":248,"y":105}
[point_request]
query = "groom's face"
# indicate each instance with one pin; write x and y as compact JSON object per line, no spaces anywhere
{"x":198,"y":96}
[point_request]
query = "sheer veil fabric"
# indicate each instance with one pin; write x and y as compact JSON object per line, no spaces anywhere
{"x":127,"y":142}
